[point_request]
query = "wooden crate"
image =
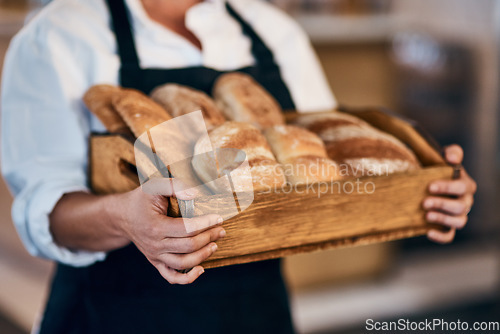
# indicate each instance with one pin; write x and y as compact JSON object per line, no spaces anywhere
{"x":281,"y":224}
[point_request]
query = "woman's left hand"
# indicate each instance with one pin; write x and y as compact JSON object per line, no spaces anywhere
{"x":450,"y":200}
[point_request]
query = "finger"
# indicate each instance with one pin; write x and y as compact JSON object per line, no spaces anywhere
{"x":190,"y":260}
{"x":175,"y":277}
{"x":169,"y":187}
{"x":457,"y":222}
{"x":472,"y":184}
{"x":441,"y":236}
{"x":454,"y":154}
{"x":452,"y":206}
{"x":187,"y":227}
{"x":192,"y":244}
{"x":449,"y":187}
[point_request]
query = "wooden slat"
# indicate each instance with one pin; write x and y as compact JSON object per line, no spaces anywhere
{"x":360,"y":240}
{"x":297,"y":222}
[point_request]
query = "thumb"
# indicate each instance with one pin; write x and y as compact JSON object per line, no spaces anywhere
{"x":454,"y":154}
{"x":168,"y":187}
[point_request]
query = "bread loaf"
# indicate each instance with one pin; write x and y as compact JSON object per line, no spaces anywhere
{"x":124,"y":108}
{"x":360,"y":148}
{"x":302,"y":155}
{"x":138,"y":110}
{"x":98,"y":100}
{"x":242,"y":99}
{"x":180,"y":100}
{"x":266,"y":173}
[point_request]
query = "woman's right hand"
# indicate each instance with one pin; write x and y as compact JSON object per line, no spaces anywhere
{"x":170,"y":244}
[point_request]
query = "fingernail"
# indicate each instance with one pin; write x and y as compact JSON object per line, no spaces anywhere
{"x":432,"y":216}
{"x":189,"y":192}
{"x":202,"y":271}
{"x":214,"y":247}
{"x":433,"y":188}
{"x":220,"y":220}
{"x":428,"y":204}
{"x":433,"y":234}
{"x":453,"y":157}
{"x":222,"y":233}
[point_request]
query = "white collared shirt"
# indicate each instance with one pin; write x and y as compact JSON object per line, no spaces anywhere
{"x":69,"y":46}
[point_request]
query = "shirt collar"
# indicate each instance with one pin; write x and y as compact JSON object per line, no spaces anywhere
{"x":140,"y":16}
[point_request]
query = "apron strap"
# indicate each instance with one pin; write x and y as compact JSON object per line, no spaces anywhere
{"x":126,"y":45}
{"x":260,"y":51}
{"x":123,"y":32}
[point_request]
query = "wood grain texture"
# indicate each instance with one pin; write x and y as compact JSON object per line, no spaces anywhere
{"x":300,"y":221}
{"x":371,"y":238}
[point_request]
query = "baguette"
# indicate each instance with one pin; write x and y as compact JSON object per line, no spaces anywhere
{"x":240,"y":98}
{"x":265,"y":172}
{"x":360,"y":148}
{"x":302,"y":155}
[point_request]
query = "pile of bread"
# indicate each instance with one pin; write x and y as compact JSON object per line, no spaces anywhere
{"x":319,"y":147}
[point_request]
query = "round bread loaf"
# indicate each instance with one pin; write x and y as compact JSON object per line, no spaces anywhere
{"x":265,"y":172}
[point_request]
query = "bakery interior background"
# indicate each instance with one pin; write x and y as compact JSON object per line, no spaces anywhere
{"x":433,"y":61}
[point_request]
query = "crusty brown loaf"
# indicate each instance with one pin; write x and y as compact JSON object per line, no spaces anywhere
{"x":360,"y":148}
{"x":180,"y":100}
{"x":98,"y":100}
{"x":138,"y":110}
{"x":266,"y":173}
{"x":302,"y":155}
{"x":140,"y":113}
{"x":242,"y":99}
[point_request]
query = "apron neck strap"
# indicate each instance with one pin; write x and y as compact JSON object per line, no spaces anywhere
{"x":126,"y":45}
{"x":123,"y":31}
{"x":260,"y":51}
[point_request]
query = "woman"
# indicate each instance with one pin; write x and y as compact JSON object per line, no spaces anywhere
{"x":119,"y":255}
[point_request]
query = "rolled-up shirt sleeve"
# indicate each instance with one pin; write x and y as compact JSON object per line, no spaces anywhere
{"x":44,"y":135}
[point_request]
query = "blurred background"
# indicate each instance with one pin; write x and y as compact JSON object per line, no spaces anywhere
{"x":434,"y":61}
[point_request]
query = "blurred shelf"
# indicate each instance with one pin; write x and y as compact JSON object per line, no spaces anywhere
{"x":424,"y":282}
{"x":25,"y":284}
{"x":11,"y":20}
{"x":325,"y":28}
{"x":24,"y":279}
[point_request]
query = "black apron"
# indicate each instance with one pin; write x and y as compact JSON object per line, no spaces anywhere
{"x":125,"y":293}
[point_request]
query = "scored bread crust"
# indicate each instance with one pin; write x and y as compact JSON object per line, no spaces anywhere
{"x":180,"y":100}
{"x":98,"y":100}
{"x":138,"y":110}
{"x":359,"y":147}
{"x":240,"y":98}
{"x":265,"y":172}
{"x":302,"y":154}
